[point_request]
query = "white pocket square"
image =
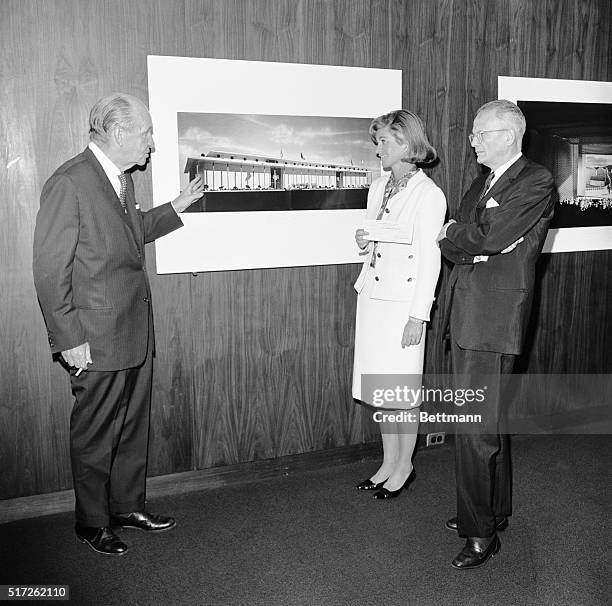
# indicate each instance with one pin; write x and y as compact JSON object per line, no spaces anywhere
{"x":491,"y":203}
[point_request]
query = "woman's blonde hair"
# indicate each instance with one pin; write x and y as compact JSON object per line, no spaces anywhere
{"x":407,"y":128}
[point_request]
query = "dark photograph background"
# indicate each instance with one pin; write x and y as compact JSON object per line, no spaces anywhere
{"x":574,"y":141}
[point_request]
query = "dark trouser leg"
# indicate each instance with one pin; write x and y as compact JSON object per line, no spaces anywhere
{"x":96,"y":419}
{"x":502,"y":493}
{"x":129,"y":470}
{"x":482,"y":460}
{"x":109,"y":429}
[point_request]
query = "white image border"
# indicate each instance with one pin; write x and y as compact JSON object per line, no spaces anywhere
{"x":249,"y":240}
{"x":566,"y":239}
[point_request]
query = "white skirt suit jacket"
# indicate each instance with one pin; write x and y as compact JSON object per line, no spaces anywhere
{"x":402,"y":283}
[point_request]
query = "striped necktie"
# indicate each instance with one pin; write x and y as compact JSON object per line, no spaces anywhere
{"x":486,"y":185}
{"x":123,"y":192}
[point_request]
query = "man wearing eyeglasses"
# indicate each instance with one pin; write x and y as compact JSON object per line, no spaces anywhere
{"x":494,"y":241}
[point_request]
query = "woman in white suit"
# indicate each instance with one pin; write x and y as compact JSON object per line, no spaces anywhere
{"x":397,"y":283}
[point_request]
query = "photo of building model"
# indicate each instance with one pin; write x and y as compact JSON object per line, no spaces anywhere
{"x":319,"y":163}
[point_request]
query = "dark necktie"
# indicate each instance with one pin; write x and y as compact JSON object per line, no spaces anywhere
{"x":123,"y":192}
{"x":486,"y":185}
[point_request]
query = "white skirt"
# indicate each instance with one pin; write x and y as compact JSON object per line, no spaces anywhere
{"x":379,"y":328}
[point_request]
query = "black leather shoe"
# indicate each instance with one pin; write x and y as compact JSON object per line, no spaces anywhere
{"x":500,"y":524}
{"x":369,"y":485}
{"x":102,"y":540}
{"x":476,"y":552}
{"x":149,"y":522}
{"x":385,"y":493}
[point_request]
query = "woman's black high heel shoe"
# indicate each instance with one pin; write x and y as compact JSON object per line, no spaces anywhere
{"x":369,"y":485}
{"x":383,"y":493}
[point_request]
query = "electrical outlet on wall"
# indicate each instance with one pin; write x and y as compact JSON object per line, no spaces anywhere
{"x":435,"y":439}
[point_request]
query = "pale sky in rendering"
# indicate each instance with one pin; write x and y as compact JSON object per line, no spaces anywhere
{"x":321,"y":140}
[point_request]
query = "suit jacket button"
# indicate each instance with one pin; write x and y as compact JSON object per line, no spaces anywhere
{"x":410,"y":256}
{"x":376,"y":278}
{"x":145,"y":299}
{"x":378,"y":255}
{"x":387,"y":210}
{"x":409,"y":280}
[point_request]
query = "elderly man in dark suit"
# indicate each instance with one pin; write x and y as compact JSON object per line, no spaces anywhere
{"x":494,"y":242}
{"x":91,"y":282}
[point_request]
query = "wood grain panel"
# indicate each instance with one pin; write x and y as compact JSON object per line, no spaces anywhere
{"x":275,"y":376}
{"x":570,"y":328}
{"x":172,"y":403}
{"x":568,"y":323}
{"x":33,"y":393}
{"x":239,"y":29}
{"x":257,"y":364}
{"x":345,"y":32}
{"x":553,"y":39}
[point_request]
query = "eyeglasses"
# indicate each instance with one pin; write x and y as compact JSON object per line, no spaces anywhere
{"x":477,"y":137}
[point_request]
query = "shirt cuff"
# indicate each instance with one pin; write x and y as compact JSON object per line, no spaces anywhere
{"x":448,"y":224}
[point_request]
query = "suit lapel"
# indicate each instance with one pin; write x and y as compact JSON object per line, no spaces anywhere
{"x":469,"y":204}
{"x":503,"y":181}
{"x":400,"y":196}
{"x":111,"y":195}
{"x":107,"y":186}
{"x":374,"y":209}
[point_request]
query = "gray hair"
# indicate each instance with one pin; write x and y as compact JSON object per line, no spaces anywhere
{"x":508,"y":112}
{"x":114,"y":109}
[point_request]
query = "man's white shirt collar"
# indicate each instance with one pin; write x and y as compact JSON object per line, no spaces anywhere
{"x":503,"y":168}
{"x":109,"y":167}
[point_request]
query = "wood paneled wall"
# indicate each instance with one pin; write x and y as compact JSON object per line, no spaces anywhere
{"x":257,"y":364}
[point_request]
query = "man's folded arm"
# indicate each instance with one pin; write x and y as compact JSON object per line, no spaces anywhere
{"x":454,"y":254}
{"x":505,"y":224}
